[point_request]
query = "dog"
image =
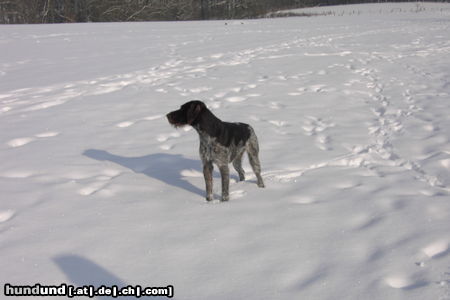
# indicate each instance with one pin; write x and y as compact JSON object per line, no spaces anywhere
{"x":221,"y":143}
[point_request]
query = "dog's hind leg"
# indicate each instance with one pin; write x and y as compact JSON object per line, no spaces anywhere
{"x":237,"y":164}
{"x":252,"y":148}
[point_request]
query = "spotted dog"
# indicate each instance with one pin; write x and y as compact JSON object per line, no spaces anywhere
{"x":221,"y":143}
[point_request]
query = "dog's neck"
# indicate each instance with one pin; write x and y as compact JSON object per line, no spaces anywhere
{"x":208,"y":126}
{"x":207,"y":123}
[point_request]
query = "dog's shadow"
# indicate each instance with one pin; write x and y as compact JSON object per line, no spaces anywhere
{"x":81,"y":272}
{"x":162,"y":166}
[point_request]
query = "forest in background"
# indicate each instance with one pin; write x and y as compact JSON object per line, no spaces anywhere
{"x":70,"y":11}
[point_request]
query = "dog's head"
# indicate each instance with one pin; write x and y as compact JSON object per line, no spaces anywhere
{"x":187,"y":114}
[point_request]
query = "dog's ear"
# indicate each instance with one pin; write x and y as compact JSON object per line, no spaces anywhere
{"x":193,"y":112}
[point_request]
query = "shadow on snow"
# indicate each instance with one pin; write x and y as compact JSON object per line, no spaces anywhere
{"x":162,"y":166}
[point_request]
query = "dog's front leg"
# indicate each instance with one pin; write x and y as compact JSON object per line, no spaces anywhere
{"x":225,"y":174}
{"x":208,"y":174}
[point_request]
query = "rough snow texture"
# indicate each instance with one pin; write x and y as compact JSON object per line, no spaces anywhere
{"x":352,"y":114}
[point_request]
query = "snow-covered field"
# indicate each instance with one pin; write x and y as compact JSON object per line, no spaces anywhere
{"x":375,"y":8}
{"x":352,"y":114}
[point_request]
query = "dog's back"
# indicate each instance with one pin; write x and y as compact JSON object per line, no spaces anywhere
{"x":234,"y":133}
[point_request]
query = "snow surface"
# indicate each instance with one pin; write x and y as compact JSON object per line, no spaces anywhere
{"x":352,"y":116}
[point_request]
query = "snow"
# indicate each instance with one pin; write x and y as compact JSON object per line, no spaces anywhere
{"x":351,"y":111}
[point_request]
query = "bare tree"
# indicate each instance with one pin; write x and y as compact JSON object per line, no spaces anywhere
{"x":59,"y":11}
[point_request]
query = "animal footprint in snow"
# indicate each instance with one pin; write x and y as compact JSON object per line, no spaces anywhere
{"x":316,"y":127}
{"x":379,"y":112}
{"x":317,"y":88}
{"x":124,"y":124}
{"x":25,"y":140}
{"x":236,"y":89}
{"x":276,"y":105}
{"x":236,"y":99}
{"x":378,"y":88}
{"x":300,"y":91}
{"x":5,"y":215}
{"x":20,"y":142}
{"x":217,"y":55}
{"x":278,"y":123}
{"x":436,"y":248}
{"x":199,"y":90}
{"x":313,"y":125}
{"x":445,"y":163}
{"x":47,"y":134}
{"x":166,"y":147}
{"x":220,"y":94}
{"x":323,"y":142}
{"x":253,"y":95}
{"x":399,"y":281}
{"x":165,"y":137}
{"x":212,"y":104}
{"x":151,"y":118}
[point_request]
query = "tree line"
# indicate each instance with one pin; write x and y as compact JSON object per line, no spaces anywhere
{"x":66,"y":11}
